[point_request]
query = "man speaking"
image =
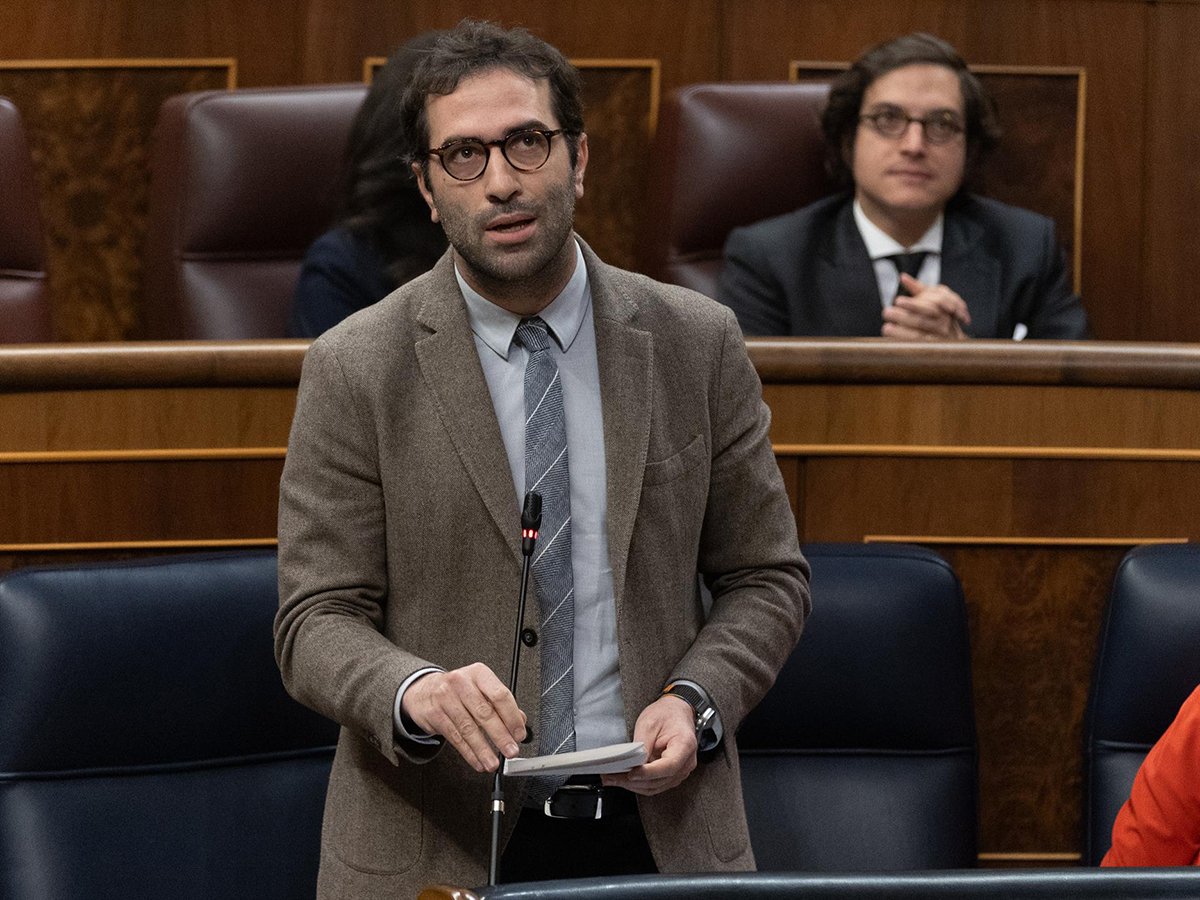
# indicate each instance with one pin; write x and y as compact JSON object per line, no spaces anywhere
{"x":523,"y":362}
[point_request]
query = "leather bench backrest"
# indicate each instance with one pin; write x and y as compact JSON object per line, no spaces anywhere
{"x":148,"y":748}
{"x":862,"y":757}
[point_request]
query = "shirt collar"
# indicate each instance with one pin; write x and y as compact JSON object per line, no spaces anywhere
{"x":497,"y":326}
{"x":880,"y":245}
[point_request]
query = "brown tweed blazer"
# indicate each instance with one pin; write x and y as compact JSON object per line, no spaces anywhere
{"x":399,"y":534}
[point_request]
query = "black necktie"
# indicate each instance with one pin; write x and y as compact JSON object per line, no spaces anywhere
{"x":908,"y":264}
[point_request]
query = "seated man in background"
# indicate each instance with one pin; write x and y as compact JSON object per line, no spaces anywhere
{"x":1159,"y":825}
{"x":383,"y":237}
{"x":908,"y":253}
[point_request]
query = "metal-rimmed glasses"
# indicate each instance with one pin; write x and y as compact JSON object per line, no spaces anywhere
{"x":892,"y":122}
{"x":525,"y":150}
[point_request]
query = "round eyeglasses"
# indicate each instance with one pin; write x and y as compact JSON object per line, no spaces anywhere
{"x":939,"y":128}
{"x":525,"y":151}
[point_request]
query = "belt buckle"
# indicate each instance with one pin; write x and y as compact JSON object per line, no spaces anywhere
{"x":572,"y":802}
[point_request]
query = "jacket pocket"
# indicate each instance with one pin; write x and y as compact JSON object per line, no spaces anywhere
{"x":678,"y":464}
{"x":373,"y":810}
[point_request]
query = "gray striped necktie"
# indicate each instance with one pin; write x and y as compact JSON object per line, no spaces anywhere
{"x":546,"y":473}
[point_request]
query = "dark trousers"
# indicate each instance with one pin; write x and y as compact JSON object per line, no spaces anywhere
{"x":542,"y":848}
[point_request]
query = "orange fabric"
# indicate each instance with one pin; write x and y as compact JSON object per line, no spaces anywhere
{"x":1159,"y":825}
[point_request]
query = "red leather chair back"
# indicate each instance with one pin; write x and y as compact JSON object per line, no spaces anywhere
{"x":24,"y":300}
{"x":241,"y":183}
{"x":727,"y":155}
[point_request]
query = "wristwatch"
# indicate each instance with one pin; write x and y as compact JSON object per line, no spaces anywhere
{"x":706,"y":736}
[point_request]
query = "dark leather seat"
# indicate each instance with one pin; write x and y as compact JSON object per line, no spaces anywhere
{"x":862,"y":756}
{"x":1147,"y":665}
{"x":147,"y":746}
{"x":24,"y":300}
{"x":727,"y":155}
{"x":241,"y":183}
{"x":1058,"y":884}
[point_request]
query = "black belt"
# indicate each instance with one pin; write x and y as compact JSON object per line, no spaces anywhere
{"x":589,"y":801}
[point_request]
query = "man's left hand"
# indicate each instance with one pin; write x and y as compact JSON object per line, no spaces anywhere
{"x":932,"y":313}
{"x":668,"y":729}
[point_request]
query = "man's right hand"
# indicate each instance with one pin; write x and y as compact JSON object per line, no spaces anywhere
{"x":472,"y":709}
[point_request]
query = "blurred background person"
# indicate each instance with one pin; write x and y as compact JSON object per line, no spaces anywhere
{"x":907,"y":252}
{"x":383,"y":236}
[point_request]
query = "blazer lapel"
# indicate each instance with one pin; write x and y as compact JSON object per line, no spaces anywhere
{"x":450,"y":367}
{"x":972,"y":272}
{"x":625,"y":354}
{"x":846,"y":283}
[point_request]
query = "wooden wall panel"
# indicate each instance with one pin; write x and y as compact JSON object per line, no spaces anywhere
{"x":1034,"y":616}
{"x":266,"y":36}
{"x":89,"y":132}
{"x":683,"y":34}
{"x":59,"y":503}
{"x":1172,"y":199}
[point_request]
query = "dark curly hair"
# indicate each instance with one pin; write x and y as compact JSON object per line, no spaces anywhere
{"x":474,"y":47}
{"x":380,"y":200}
{"x":840,"y":119}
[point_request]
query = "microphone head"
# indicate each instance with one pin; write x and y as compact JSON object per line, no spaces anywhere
{"x":531,"y":514}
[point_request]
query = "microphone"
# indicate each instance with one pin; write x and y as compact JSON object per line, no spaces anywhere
{"x":531,"y":521}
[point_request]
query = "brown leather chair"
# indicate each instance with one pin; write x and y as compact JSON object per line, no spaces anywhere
{"x":241,"y":183}
{"x":24,"y":299}
{"x":727,"y":155}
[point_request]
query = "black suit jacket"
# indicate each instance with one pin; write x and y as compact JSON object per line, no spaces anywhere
{"x":808,"y":273}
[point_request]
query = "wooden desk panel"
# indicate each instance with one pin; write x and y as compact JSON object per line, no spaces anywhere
{"x":1031,"y":468}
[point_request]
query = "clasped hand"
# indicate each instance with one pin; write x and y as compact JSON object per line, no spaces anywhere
{"x":932,"y":313}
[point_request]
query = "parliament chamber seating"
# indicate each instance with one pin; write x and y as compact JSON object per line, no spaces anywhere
{"x":241,"y":183}
{"x":147,"y":746}
{"x":1147,"y":664}
{"x":24,"y":299}
{"x":727,"y":155}
{"x":862,"y":757}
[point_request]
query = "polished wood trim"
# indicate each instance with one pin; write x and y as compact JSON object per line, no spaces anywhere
{"x":1038,"y":541}
{"x":252,"y":363}
{"x":198,"y":544}
{"x":446,"y":892}
{"x":262,"y":363}
{"x":969,"y":452}
{"x":229,"y":63}
{"x":880,"y":361}
{"x":370,"y":64}
{"x":1035,"y":856}
{"x":155,"y":455}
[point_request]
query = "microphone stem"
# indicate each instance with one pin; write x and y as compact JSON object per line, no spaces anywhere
{"x":497,"y":792}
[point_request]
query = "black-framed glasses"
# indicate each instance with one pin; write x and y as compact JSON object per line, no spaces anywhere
{"x":525,"y":151}
{"x":892,"y":122}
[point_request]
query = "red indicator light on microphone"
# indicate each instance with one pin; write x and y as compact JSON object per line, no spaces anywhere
{"x":529,"y":533}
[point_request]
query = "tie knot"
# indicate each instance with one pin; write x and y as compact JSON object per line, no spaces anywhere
{"x":909,"y":263}
{"x":533,"y":334}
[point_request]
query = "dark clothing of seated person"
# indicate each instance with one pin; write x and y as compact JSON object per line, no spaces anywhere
{"x":384,"y":236}
{"x":906,"y":253}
